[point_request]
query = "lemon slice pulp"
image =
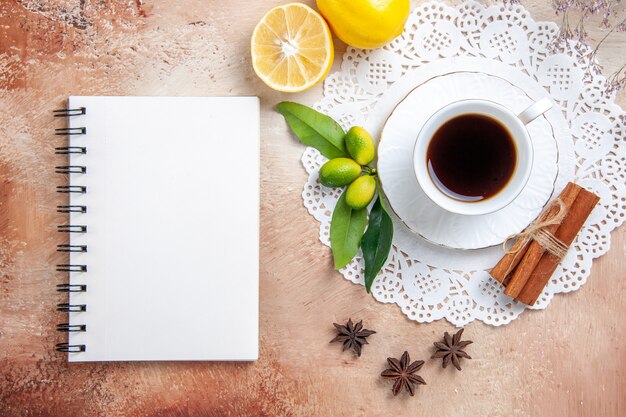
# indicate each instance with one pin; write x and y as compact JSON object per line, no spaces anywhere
{"x":292,"y":48}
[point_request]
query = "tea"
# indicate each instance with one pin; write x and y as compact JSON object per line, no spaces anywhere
{"x":471,"y":157}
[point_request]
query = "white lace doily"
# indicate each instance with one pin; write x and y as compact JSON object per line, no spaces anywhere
{"x":429,"y":282}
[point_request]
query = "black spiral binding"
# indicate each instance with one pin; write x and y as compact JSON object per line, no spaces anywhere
{"x":71,"y":288}
{"x":71,"y":308}
{"x":71,"y":228}
{"x":71,"y":189}
{"x":70,"y":112}
{"x":70,"y":131}
{"x":71,"y":268}
{"x":67,"y":150}
{"x":66,"y":327}
{"x":70,"y":169}
{"x":72,"y":248}
{"x":72,"y":209}
{"x":66,"y":347}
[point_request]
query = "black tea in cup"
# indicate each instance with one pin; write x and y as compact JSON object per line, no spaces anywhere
{"x":471,"y":157}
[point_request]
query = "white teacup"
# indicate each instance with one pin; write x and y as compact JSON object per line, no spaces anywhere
{"x":516,"y":126}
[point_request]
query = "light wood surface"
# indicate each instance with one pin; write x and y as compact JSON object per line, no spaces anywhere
{"x":569,"y":360}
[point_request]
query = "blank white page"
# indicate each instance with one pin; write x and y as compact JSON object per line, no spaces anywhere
{"x":172,"y":228}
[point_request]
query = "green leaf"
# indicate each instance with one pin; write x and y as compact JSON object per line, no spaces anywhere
{"x":346,"y":230}
{"x":376,"y":242}
{"x":314,"y":129}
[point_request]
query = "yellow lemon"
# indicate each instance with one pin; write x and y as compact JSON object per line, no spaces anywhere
{"x":366,"y":24}
{"x":339,"y":172}
{"x":292,"y":48}
{"x":360,"y":145}
{"x":361,"y":192}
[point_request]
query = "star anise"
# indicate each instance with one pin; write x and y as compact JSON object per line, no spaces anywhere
{"x":403,"y":371}
{"x":352,"y":335}
{"x":451,"y":349}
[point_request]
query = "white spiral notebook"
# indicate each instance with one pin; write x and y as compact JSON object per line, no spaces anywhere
{"x":163,"y":232}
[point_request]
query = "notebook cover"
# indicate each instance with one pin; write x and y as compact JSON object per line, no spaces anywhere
{"x":173,"y":228}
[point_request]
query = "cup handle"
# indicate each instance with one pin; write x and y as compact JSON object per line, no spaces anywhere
{"x":535,"y":110}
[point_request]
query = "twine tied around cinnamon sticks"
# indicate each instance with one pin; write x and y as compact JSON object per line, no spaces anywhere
{"x":537,"y":232}
{"x":527,"y":267}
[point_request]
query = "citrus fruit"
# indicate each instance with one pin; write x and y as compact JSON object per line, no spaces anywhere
{"x":292,"y":48}
{"x":365,"y":24}
{"x":361,"y":192}
{"x":339,"y":172}
{"x":360,"y":145}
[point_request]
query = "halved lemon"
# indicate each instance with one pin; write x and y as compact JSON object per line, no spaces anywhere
{"x":292,"y":48}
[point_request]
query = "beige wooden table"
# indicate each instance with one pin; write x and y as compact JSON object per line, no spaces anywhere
{"x":569,"y":360}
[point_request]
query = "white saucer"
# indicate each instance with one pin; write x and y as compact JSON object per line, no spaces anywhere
{"x":415,"y":209}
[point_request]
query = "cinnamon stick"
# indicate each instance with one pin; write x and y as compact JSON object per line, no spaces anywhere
{"x":510,"y":260}
{"x":566,"y":233}
{"x":535,"y":250}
